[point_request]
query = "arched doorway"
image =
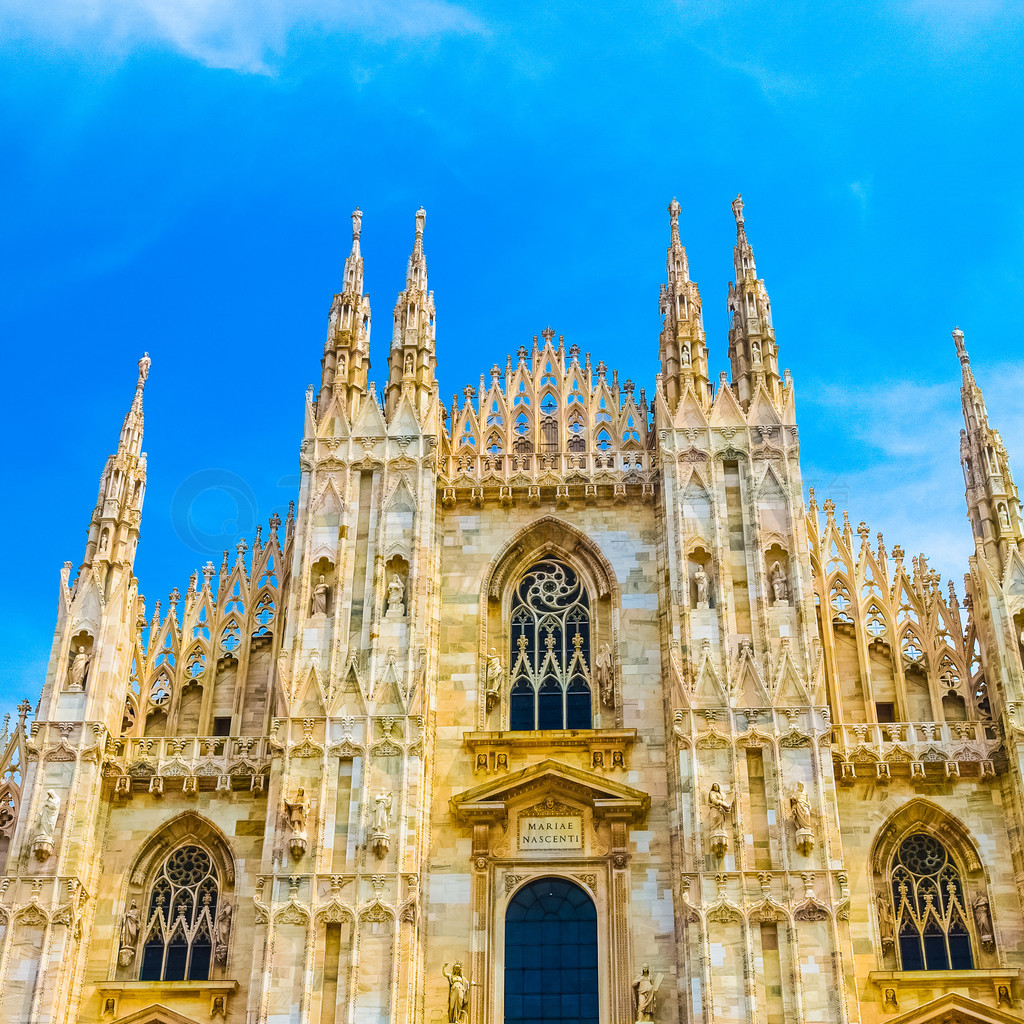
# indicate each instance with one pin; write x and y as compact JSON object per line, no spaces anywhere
{"x":551,"y":955}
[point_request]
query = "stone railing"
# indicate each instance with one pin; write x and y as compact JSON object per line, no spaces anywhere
{"x":563,"y":477}
{"x":188,"y":763}
{"x":925,"y":751}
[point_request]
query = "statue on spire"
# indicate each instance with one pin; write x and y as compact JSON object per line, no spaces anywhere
{"x":737,"y":208}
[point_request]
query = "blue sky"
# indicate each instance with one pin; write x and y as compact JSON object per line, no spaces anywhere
{"x":177,"y":177}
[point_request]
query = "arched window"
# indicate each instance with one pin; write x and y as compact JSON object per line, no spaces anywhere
{"x":931,"y":923}
{"x":550,"y":656}
{"x":177,"y":943}
{"x":551,"y":954}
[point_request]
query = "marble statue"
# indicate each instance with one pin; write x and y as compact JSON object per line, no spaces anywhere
{"x":297,"y":810}
{"x":983,"y":921}
{"x":130,"y":927}
{"x":318,"y":604}
{"x":885,"y":925}
{"x":703,"y":587}
{"x":755,"y":353}
{"x":686,"y":355}
{"x":221,"y":933}
{"x":495,"y":672}
{"x":800,"y":806}
{"x":458,"y":994}
{"x":603,"y":673}
{"x":76,"y":674}
{"x":719,"y":806}
{"x":780,"y":585}
{"x":645,"y":989}
{"x":396,"y":592}
{"x":48,"y":815}
{"x":382,"y":810}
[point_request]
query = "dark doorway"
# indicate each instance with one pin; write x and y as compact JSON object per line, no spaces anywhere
{"x":551,"y":955}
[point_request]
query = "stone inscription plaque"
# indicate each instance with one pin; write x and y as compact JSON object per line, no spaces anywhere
{"x":561,"y":832}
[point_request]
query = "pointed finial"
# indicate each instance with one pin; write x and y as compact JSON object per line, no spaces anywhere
{"x":737,"y":208}
{"x":673,"y":213}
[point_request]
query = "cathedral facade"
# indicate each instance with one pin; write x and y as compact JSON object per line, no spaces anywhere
{"x":562,"y":705}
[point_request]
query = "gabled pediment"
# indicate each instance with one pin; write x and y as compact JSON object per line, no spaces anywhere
{"x":605,"y":797}
{"x":954,"y":1008}
{"x":156,"y":1013}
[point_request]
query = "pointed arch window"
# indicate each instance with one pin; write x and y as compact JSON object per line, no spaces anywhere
{"x":550,"y":650}
{"x":548,"y":403}
{"x":931,"y":923}
{"x":549,"y":434}
{"x":178,"y":938}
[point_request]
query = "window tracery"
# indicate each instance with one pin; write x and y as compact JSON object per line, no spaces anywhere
{"x":929,"y":902}
{"x":178,"y":935}
{"x":550,"y":658}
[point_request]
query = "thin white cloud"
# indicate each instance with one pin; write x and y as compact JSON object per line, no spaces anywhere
{"x":906,"y":479}
{"x":243,"y":35}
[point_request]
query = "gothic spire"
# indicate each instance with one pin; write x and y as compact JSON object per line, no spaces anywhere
{"x":346,"y":359}
{"x":683,"y":349}
{"x":114,"y":527}
{"x":412,"y":359}
{"x":752,"y":349}
{"x":993,"y":506}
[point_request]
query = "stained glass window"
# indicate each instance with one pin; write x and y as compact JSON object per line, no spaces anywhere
{"x":550,"y":655}
{"x":929,"y":901}
{"x":178,"y":936}
{"x":551,"y":955}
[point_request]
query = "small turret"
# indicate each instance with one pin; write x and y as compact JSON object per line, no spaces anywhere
{"x":683,"y":349}
{"x":346,"y":360}
{"x":752,"y":349}
{"x":413,"y":358}
{"x":993,"y":506}
{"x":114,"y":527}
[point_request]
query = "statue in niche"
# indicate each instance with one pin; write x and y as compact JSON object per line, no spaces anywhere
{"x":78,"y":670}
{"x":42,"y":845}
{"x":983,"y":922}
{"x":885,"y":924}
{"x":396,"y":593}
{"x":1004,"y":518}
{"x":48,"y":815}
{"x":318,"y":603}
{"x":458,"y":994}
{"x":720,"y":807}
{"x":645,"y":989}
{"x":495,"y":676}
{"x":408,"y":365}
{"x":222,"y":932}
{"x":780,"y":585}
{"x":603,"y":674}
{"x":382,"y":810}
{"x":296,"y":810}
{"x":129,"y":934}
{"x":703,"y":588}
{"x":800,"y":806}
{"x":686,"y":355}
{"x":1003,"y":997}
{"x":755,"y":353}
